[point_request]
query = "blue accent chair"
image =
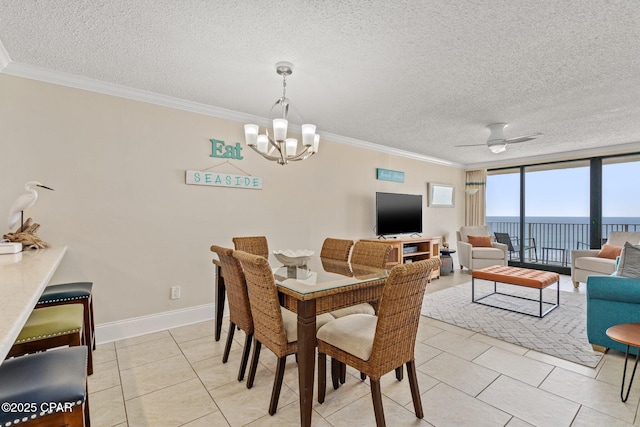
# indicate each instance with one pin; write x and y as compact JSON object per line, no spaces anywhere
{"x":611,"y":300}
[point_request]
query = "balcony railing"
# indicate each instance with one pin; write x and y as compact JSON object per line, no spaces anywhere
{"x":554,"y":241}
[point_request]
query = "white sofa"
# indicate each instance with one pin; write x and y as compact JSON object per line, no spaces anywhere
{"x":585,"y":263}
{"x":479,"y":257}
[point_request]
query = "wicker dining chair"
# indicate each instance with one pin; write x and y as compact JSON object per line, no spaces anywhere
{"x":256,"y":245}
{"x":372,"y":255}
{"x":376,"y":345}
{"x":274,"y":326}
{"x":239,"y":308}
{"x":336,"y":249}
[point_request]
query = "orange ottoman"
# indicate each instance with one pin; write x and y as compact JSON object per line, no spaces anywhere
{"x":519,"y":277}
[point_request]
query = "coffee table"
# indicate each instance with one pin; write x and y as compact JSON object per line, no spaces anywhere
{"x":519,"y":277}
{"x":629,"y":334}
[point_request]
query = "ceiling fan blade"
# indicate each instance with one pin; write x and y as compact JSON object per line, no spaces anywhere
{"x":523,"y":138}
{"x":470,"y":145}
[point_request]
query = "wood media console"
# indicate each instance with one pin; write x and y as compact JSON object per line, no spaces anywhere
{"x":404,"y":250}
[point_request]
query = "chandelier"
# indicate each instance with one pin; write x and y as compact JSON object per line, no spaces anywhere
{"x":275,"y":146}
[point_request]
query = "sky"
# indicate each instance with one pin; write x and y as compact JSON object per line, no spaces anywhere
{"x":565,"y":192}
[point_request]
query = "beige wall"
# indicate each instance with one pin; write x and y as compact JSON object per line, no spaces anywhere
{"x":132,"y":225}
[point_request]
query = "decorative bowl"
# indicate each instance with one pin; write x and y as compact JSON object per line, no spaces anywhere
{"x":293,"y":258}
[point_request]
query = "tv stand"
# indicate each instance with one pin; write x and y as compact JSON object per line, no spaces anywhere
{"x":409,"y":249}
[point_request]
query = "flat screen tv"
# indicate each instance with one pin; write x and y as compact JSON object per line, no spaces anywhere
{"x":398,"y":213}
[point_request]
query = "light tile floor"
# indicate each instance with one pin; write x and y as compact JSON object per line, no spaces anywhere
{"x":177,"y":378}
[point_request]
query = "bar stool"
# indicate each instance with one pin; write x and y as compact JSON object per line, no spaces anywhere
{"x":52,"y":327}
{"x":73,"y":293}
{"x":45,"y":389}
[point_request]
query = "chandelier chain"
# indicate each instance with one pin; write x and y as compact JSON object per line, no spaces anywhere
{"x":284,"y":86}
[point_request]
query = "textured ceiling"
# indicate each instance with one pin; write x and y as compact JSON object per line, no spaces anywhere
{"x":414,"y":75}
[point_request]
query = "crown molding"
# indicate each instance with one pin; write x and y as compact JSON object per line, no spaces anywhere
{"x":388,"y":150}
{"x":78,"y":82}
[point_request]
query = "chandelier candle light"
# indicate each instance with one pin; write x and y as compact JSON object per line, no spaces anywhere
{"x":277,"y":147}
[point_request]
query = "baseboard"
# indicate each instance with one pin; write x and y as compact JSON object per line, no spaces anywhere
{"x":129,"y":328}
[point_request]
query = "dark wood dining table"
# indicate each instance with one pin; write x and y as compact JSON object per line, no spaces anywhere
{"x":322,"y":286}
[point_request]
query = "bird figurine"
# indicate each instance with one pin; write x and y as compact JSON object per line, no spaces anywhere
{"x":23,"y":202}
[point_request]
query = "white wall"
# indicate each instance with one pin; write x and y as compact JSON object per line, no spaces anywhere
{"x":132,"y":225}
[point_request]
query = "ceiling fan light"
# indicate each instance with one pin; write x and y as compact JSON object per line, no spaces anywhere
{"x":498,"y":148}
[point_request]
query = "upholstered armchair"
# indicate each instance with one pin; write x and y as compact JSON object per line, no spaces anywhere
{"x":585,"y":263}
{"x":475,"y":257}
{"x":611,"y":300}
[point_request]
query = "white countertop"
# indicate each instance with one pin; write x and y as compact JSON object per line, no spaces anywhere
{"x":21,"y":284}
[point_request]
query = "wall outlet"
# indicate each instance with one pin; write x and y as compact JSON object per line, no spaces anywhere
{"x":175,"y":292}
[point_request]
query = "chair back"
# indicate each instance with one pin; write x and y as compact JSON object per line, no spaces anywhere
{"x":236,"y":286}
{"x":265,"y":306}
{"x":473,"y":230}
{"x":505,"y":239}
{"x":256,"y":245}
{"x":336,"y":249}
{"x":372,"y":254}
{"x":619,"y":238}
{"x":399,"y":314}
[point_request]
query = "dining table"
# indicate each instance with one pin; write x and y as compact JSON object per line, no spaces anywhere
{"x":320,"y":286}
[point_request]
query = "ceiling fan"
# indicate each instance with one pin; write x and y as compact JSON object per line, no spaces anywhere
{"x":497,"y":143}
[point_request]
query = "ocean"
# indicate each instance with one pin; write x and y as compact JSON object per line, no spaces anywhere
{"x":565,"y":219}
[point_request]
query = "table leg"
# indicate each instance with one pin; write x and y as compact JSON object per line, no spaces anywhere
{"x":624,"y":372}
{"x":220,"y":294}
{"x":306,"y":358}
{"x":541,"y":303}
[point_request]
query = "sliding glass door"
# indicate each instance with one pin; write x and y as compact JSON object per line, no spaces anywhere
{"x":503,"y":208}
{"x":547,"y":210}
{"x":620,"y":195}
{"x":557,"y":210}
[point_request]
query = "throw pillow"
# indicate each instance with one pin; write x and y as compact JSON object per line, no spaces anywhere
{"x":480,"y":241}
{"x":609,"y":251}
{"x":629,"y":265}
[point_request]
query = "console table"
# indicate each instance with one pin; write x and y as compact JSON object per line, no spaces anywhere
{"x":22,"y":283}
{"x":411,"y":249}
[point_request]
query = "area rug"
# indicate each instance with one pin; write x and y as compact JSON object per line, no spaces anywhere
{"x":561,"y":333}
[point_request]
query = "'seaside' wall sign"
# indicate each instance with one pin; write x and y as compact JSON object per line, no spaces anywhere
{"x":217,"y":179}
